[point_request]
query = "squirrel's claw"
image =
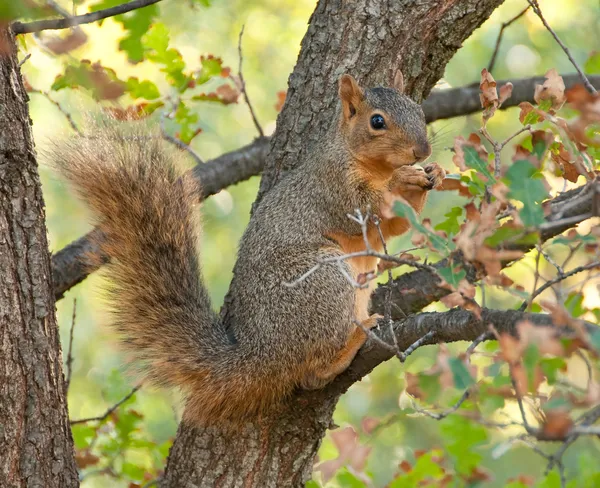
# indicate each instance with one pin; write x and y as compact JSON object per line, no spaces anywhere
{"x":435,"y":175}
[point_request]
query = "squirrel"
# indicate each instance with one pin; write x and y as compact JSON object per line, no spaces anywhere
{"x":273,"y":338}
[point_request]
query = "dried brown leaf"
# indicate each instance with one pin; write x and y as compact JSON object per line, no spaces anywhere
{"x":488,"y":96}
{"x":62,"y":45}
{"x":557,"y":424}
{"x":552,"y":89}
{"x":505,"y":92}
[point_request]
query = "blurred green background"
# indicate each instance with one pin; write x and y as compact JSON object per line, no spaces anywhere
{"x":273,"y":31}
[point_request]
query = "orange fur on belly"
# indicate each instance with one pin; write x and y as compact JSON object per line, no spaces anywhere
{"x":360,"y":265}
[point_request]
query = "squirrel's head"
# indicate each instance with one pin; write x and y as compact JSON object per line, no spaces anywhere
{"x":382,"y":126}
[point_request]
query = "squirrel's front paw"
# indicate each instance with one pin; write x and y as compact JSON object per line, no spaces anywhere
{"x":435,"y":174}
{"x":410,"y":178}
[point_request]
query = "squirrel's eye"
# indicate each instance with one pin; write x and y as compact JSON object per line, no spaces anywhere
{"x":377,"y":122}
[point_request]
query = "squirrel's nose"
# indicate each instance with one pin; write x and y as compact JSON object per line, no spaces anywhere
{"x":422,"y":151}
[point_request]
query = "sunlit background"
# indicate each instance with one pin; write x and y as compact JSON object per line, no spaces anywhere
{"x":273,"y":31}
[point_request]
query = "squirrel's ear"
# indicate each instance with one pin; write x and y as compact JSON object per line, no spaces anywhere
{"x":350,"y":94}
{"x":399,"y":81}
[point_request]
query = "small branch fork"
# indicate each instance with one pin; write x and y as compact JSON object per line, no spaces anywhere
{"x":102,"y":417}
{"x":501,"y":33}
{"x":558,"y":279}
{"x":339,"y":260}
{"x":243,"y":86}
{"x":65,"y":23}
{"x":536,"y":8}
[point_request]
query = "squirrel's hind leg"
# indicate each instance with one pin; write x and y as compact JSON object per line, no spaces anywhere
{"x":316,"y":380}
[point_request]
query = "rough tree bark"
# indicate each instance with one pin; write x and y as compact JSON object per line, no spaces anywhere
{"x":36,"y":447}
{"x":370,"y":40}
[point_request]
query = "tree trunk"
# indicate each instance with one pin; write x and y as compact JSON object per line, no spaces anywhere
{"x":36,"y":447}
{"x":369,"y":39}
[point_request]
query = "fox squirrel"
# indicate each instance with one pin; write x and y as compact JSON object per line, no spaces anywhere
{"x":272,"y":338}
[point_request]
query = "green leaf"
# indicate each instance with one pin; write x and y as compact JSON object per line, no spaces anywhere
{"x":552,"y":480}
{"x":347,"y":480}
{"x":451,"y":226}
{"x":526,"y":185}
{"x":545,"y":105}
{"x":156,"y":44}
{"x":426,"y":467}
{"x":595,"y":339}
{"x":430,"y":386}
{"x":508,"y":233}
{"x":592,"y":65}
{"x":557,"y":403}
{"x":461,"y":375}
{"x":531,"y":118}
{"x":494,"y":369}
{"x":312,"y":484}
{"x":438,"y":243}
{"x":13,"y":10}
{"x":133,"y":472}
{"x":187,"y":121}
{"x":462,"y":437}
{"x":211,"y":67}
{"x":573,"y":238}
{"x":516,"y":484}
{"x":490,"y":403}
{"x":551,"y":367}
{"x":142,"y":89}
{"x":452,"y":275}
{"x":136,"y":23}
{"x":574,"y":304}
{"x":83,"y":434}
{"x":474,"y":161}
{"x":530,"y":360}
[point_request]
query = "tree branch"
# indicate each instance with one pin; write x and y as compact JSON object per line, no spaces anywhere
{"x":455,"y":102}
{"x":70,"y":266}
{"x":452,"y":326}
{"x":66,"y":22}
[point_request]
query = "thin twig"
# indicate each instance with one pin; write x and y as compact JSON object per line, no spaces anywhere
{"x":243,"y":87}
{"x":65,"y":23}
{"x":588,"y":366}
{"x":538,"y":11}
{"x":371,"y":335}
{"x":545,"y":286}
{"x":24,"y":60}
{"x":530,"y":430}
{"x":549,"y":258}
{"x":415,"y":345}
{"x":445,"y":413}
{"x":483,"y":337}
{"x":387,"y":309}
{"x":173,"y":140}
{"x":110,"y":410}
{"x":67,"y":115}
{"x":70,"y":351}
{"x":500,"y":34}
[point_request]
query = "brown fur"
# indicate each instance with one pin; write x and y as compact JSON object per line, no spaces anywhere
{"x":271,"y":338}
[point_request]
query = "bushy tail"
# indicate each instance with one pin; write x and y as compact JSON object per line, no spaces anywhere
{"x":146,"y":212}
